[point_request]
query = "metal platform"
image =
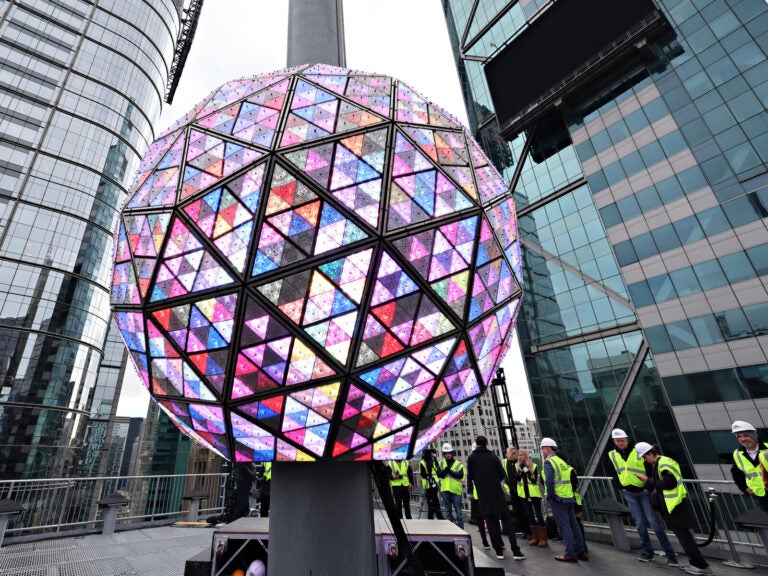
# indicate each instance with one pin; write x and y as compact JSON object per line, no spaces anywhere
{"x":442,"y":547}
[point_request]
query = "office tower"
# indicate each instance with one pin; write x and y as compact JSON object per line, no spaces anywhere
{"x":528,"y":436}
{"x":636,"y":140}
{"x":81,"y":84}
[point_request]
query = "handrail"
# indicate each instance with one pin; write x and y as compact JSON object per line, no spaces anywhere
{"x":61,"y":506}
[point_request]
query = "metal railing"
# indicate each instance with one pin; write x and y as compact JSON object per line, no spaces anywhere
{"x":730,"y":500}
{"x":70,"y":505}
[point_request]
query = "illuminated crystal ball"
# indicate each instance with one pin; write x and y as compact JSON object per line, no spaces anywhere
{"x":315,"y":264}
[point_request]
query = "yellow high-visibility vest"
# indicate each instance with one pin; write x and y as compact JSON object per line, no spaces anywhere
{"x":400,"y":468}
{"x":425,"y":476}
{"x":628,"y":470}
{"x":672,"y":497}
{"x":449,"y":484}
{"x":562,"y":471}
{"x":534,"y":490}
{"x":752,"y":473}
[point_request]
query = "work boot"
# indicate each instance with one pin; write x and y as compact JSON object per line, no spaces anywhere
{"x":542,"y":537}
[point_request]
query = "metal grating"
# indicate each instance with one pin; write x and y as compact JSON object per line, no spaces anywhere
{"x":151,"y":552}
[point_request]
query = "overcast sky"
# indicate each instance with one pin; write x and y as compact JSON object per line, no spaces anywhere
{"x":406,"y":39}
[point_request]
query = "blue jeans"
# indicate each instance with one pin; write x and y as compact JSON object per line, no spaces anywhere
{"x":452,"y":502}
{"x":565,"y":516}
{"x":640,"y":507}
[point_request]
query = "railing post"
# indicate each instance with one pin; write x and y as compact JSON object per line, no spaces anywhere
{"x":111,"y":504}
{"x":614,"y":512}
{"x":736,"y":562}
{"x":7,"y":509}
{"x":195,"y":496}
{"x":64,"y":507}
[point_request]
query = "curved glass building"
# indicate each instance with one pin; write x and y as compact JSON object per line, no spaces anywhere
{"x":81,"y":84}
{"x":635,"y":136}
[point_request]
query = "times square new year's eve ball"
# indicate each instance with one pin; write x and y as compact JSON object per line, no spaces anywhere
{"x":316,"y":263}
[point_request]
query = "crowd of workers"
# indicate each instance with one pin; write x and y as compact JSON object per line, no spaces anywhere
{"x":649,"y":482}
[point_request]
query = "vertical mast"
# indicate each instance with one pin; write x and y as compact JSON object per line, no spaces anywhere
{"x":316,"y":32}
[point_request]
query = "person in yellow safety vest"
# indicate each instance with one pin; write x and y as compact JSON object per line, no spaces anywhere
{"x":562,"y":501}
{"x":627,"y":469}
{"x":529,"y":495}
{"x":401,"y":480}
{"x":516,"y":515}
{"x":666,"y":480}
{"x":430,"y":483}
{"x":264,"y":486}
{"x":749,"y":463}
{"x":451,"y":474}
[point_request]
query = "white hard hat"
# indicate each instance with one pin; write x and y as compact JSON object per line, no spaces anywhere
{"x":548,"y":442}
{"x":741,"y":426}
{"x":257,"y":568}
{"x":642,"y":448}
{"x":618,"y":433}
{"x":447,"y":447}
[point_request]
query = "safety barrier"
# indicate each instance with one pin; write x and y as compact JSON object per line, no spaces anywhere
{"x":71,"y":506}
{"x":729,"y":501}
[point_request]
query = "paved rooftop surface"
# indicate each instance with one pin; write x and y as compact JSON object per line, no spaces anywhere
{"x":163,"y":552}
{"x":604,"y":560}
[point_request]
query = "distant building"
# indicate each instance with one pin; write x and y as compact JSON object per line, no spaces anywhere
{"x":528,"y":436}
{"x":81,"y":84}
{"x":163,"y":451}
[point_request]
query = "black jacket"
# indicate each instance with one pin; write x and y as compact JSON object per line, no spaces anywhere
{"x":484,"y":472}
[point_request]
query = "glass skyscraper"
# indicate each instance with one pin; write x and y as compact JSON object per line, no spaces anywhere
{"x":81,"y":84}
{"x":642,"y":198}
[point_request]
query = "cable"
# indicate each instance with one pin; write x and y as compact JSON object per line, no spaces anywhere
{"x":712,"y":527}
{"x":381,"y":480}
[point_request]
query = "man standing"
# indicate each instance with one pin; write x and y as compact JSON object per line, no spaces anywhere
{"x":430,"y":483}
{"x":562,"y":501}
{"x":628,"y":468}
{"x":746,"y":470}
{"x":264,"y":484}
{"x":401,"y":480}
{"x":245,"y":474}
{"x":667,"y":480}
{"x":451,"y":474}
{"x":485,"y":474}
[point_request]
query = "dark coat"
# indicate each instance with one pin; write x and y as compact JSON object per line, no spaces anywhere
{"x":484,"y":472}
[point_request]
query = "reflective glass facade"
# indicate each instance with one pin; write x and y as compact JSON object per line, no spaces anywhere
{"x":643,"y":233}
{"x":80,"y":85}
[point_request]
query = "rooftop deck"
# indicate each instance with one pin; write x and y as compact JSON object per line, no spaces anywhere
{"x":163,"y":551}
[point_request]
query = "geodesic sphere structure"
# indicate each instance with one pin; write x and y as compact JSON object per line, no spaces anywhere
{"x":314,"y":264}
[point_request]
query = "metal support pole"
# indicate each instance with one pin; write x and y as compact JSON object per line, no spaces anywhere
{"x":316,"y":32}
{"x":321,"y":519}
{"x":736,"y":562}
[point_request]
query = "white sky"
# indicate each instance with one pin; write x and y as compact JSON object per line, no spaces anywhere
{"x":406,"y":39}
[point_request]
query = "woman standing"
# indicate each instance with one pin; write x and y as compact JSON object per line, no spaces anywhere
{"x":670,"y":493}
{"x":529,"y":494}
